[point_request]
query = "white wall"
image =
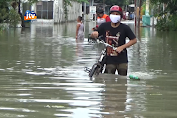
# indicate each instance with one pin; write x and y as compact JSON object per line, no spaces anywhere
{"x":151,"y":21}
{"x":58,"y":11}
{"x":73,"y":11}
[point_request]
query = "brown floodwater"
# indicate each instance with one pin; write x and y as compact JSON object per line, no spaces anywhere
{"x":42,"y":75}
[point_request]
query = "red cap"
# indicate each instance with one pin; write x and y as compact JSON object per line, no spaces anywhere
{"x":116,"y":8}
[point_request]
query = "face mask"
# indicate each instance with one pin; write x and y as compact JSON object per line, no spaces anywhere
{"x":115,"y":18}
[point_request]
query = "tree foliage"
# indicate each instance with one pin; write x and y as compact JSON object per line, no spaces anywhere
{"x":170,"y":6}
{"x":167,"y":18}
{"x":10,"y":11}
{"x":114,"y":2}
{"x":4,"y":10}
{"x":68,"y":2}
{"x":14,"y":18}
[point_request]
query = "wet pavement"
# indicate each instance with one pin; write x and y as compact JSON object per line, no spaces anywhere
{"x":42,"y":75}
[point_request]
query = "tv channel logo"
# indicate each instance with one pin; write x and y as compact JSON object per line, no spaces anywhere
{"x":29,"y":16}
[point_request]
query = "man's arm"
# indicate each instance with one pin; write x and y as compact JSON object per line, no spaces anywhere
{"x":99,"y":31}
{"x":132,"y":41}
{"x":122,"y":47}
{"x":95,"y":34}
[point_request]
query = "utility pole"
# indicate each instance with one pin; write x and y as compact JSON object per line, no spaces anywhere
{"x":140,"y":3}
{"x":58,"y":18}
{"x":147,"y":8}
{"x":84,"y":11}
{"x":135,"y":14}
{"x":104,"y":5}
{"x":139,"y":13}
{"x":152,"y":12}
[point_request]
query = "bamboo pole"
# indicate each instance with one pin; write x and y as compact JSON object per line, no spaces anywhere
{"x":135,"y":14}
{"x":139,"y":19}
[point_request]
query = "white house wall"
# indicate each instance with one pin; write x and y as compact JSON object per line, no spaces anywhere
{"x":73,"y":11}
{"x":58,"y":11}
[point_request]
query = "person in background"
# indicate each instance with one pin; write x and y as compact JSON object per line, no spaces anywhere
{"x":101,"y":17}
{"x":79,"y":30}
{"x":127,"y":14}
{"x":124,"y":15}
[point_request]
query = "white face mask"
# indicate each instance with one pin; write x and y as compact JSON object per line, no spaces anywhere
{"x":115,"y":18}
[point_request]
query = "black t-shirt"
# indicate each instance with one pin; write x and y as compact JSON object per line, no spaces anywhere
{"x":116,"y":37}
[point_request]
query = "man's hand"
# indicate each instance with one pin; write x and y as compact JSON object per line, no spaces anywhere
{"x":119,"y":49}
{"x":94,"y":34}
{"x":94,"y":28}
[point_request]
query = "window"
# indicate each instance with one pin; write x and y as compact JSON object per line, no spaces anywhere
{"x":45,"y":10}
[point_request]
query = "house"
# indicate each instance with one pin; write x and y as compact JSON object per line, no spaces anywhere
{"x":53,"y":11}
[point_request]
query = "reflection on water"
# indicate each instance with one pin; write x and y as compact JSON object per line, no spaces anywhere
{"x":79,"y":47}
{"x":42,"y":75}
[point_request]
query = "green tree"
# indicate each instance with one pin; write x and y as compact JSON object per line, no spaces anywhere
{"x":114,"y":2}
{"x":167,"y":17}
{"x":7,"y":14}
{"x":170,"y":5}
{"x":3,"y":10}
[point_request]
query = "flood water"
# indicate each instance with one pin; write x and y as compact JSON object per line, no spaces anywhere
{"x":42,"y":75}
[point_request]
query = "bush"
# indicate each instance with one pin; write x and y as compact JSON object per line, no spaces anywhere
{"x":3,"y":15}
{"x":167,"y":23}
{"x":14,"y":18}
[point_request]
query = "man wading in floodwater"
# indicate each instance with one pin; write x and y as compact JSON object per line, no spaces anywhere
{"x":115,"y":34}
